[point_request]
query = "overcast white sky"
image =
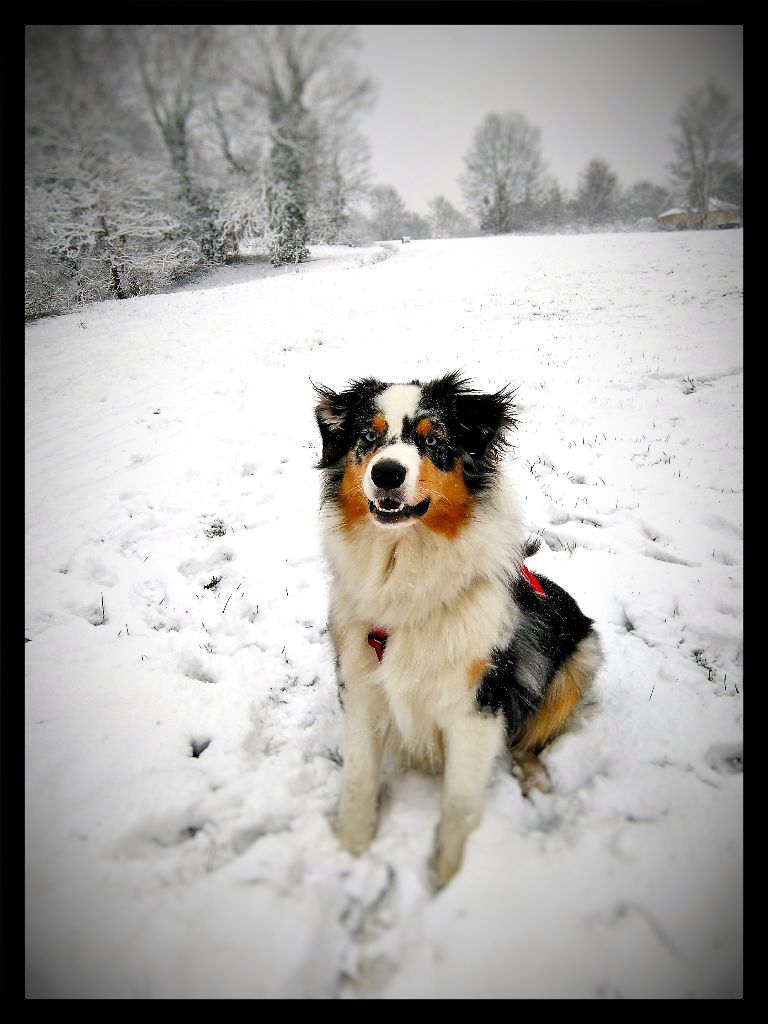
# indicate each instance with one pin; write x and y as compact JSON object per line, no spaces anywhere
{"x":607,"y":91}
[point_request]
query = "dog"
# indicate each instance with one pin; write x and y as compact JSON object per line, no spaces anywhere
{"x":448,"y":648}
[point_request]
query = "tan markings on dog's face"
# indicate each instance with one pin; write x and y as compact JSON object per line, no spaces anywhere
{"x":424,"y":427}
{"x":379,"y":424}
{"x":450,"y":506}
{"x":352,"y":500}
{"x":476,"y":671}
{"x":564,"y":691}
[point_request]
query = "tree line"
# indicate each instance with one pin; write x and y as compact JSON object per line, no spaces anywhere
{"x":506,"y":187}
{"x":153,"y":151}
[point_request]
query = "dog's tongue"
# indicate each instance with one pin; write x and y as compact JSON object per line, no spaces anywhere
{"x":390,"y":504}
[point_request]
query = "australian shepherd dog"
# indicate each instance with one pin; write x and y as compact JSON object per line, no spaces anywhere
{"x":448,"y":648}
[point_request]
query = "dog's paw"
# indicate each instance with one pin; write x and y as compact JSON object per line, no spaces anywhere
{"x":446,"y":860}
{"x":444,"y":867}
{"x":354,"y":835}
{"x":532,"y":774}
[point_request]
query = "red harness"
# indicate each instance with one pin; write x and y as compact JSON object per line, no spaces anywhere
{"x":377,"y":638}
{"x":537,"y":587}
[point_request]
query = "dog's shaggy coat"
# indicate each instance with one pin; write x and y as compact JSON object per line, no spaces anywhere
{"x":447,"y":648}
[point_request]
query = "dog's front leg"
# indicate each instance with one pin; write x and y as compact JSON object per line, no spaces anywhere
{"x":363,"y":739}
{"x":471,"y":742}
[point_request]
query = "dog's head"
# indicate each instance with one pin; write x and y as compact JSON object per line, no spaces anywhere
{"x":401,"y":454}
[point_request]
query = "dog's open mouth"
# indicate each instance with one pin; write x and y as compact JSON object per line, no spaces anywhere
{"x":390,"y":510}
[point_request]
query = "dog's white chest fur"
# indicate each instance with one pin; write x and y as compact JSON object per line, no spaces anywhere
{"x":444,"y":604}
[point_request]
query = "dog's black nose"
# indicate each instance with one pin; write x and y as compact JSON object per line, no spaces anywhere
{"x":388,"y":474}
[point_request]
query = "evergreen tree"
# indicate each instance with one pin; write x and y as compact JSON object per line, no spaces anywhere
{"x":288,"y":232}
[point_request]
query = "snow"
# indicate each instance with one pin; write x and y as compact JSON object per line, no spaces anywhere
{"x":183,"y":731}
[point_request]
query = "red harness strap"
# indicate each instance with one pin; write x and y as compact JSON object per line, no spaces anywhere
{"x":377,"y":639}
{"x":535,"y":585}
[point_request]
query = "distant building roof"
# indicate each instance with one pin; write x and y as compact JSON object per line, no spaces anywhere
{"x":720,"y":204}
{"x":714,"y":204}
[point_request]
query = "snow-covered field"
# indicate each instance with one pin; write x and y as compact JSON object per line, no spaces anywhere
{"x":182,"y":727}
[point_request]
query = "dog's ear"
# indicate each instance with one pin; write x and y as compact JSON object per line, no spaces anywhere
{"x":482,"y":420}
{"x":330,"y":413}
{"x":336,"y":414}
{"x":485,"y":420}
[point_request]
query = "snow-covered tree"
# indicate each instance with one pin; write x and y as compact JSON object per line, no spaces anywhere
{"x":107,"y":221}
{"x":416,"y":226}
{"x":706,"y":145}
{"x":154,"y":149}
{"x":241,"y":212}
{"x":174,"y":63}
{"x":100,"y":219}
{"x":342,"y":182}
{"x":597,"y":194}
{"x":644,"y":199}
{"x":730,"y":184}
{"x":390,"y":218}
{"x":504,"y":170}
{"x":388,"y":212}
{"x":446,"y":221}
{"x":307,"y":88}
{"x":550,"y":210}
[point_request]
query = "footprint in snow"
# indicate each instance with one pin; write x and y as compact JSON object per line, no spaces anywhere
{"x":654,"y":551}
{"x":194,"y":667}
{"x":137,"y":458}
{"x":199,"y":744}
{"x":724,"y":558}
{"x":194,"y":566}
{"x":726,"y":758}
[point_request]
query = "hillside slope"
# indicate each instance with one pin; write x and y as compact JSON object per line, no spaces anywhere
{"x":182,"y":723}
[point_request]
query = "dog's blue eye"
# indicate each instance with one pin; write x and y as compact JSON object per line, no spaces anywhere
{"x":430,"y":439}
{"x":370,"y":435}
